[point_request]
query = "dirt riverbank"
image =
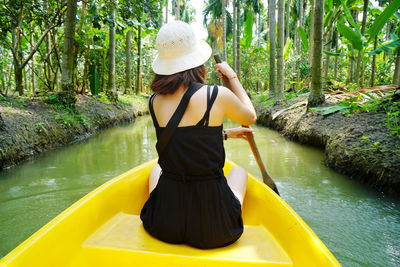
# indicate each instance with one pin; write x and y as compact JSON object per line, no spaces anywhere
{"x":358,"y":145}
{"x":29,"y":126}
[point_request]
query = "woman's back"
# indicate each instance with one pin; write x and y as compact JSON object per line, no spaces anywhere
{"x":191,"y":201}
{"x":195,"y":147}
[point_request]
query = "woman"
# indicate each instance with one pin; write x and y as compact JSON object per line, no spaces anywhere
{"x":190,"y":199}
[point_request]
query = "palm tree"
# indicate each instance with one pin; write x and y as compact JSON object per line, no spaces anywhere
{"x":111,"y":63}
{"x":280,"y":80}
{"x":396,"y":76}
{"x":272,"y":26}
{"x":360,"y":52}
{"x":128,"y":82}
{"x":68,"y":92}
{"x":316,"y":96}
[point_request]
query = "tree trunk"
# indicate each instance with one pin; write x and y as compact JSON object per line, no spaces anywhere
{"x":161,"y":18}
{"x":396,"y":76}
{"x":48,"y":62}
{"x":166,"y":11}
{"x":311,"y":39}
{"x":280,"y":80}
{"x":287,"y":21}
{"x":351,"y":70}
{"x":238,"y":63}
{"x":178,"y":9}
{"x":67,"y":96}
{"x":360,"y":52}
{"x":111,"y":62}
{"x":139,"y":62}
{"x":128,"y":82}
{"x":234,"y":34}
{"x":374,"y":63}
{"x":316,"y":96}
{"x":301,"y":24}
{"x":272,"y":26}
{"x":33,"y":59}
{"x":336,"y":62}
{"x":327,"y":57}
{"x":224,"y":29}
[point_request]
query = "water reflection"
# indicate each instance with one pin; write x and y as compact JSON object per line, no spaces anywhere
{"x":359,"y":226}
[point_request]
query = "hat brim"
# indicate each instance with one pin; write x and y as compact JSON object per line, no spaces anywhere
{"x":188,"y":61}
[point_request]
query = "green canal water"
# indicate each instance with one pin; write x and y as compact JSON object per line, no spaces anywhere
{"x":359,"y":226}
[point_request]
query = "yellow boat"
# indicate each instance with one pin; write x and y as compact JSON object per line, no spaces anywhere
{"x":104,"y":229}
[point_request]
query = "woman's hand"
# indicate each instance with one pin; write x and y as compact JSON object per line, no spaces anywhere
{"x":225,"y":70}
{"x":239,"y":132}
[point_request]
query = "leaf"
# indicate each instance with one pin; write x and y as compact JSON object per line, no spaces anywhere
{"x":348,"y":14}
{"x":352,"y":36}
{"x":331,"y":109}
{"x":381,"y":20}
{"x":328,"y":5}
{"x":395,"y":42}
{"x":248,"y":29}
{"x":304,"y":39}
{"x":287,"y":48}
{"x":334,"y":54}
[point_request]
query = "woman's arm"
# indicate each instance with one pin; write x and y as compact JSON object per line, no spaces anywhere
{"x":236,"y":104}
{"x":239,"y":132}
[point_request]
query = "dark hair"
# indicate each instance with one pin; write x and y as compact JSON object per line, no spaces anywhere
{"x":168,"y":84}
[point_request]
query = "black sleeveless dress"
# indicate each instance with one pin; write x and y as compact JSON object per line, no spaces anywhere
{"x":192,"y":202}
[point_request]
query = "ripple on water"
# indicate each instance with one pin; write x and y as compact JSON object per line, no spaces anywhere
{"x":359,"y":226}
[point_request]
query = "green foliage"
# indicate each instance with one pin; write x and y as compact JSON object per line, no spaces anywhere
{"x":39,"y":127}
{"x":382,"y":19}
{"x":287,"y":49}
{"x":334,"y":54}
{"x":68,"y":118}
{"x":248,"y":29}
{"x":138,"y":101}
{"x":348,"y":15}
{"x":352,"y":105}
{"x":395,"y":42}
{"x":304,"y":39}
{"x":353,"y":36}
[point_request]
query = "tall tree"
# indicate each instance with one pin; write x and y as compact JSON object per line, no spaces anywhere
{"x":287,"y":23}
{"x":139,"y":58}
{"x":238,"y":63}
{"x":128,"y":82}
{"x":234,"y":3}
{"x":67,"y":96}
{"x":280,"y":79}
{"x":360,"y":52}
{"x":311,"y":39}
{"x":396,"y":75}
{"x":316,"y":96}
{"x":374,"y":63}
{"x":111,"y":49}
{"x":272,"y":26}
{"x":224,"y":29}
{"x":15,"y":16}
{"x":166,"y":11}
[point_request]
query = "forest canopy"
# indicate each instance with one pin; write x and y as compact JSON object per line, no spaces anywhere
{"x":94,"y":46}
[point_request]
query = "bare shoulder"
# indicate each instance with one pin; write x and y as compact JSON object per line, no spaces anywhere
{"x":225,"y":94}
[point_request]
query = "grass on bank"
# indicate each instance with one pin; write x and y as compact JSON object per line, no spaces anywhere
{"x":69,"y":116}
{"x":363,"y":102}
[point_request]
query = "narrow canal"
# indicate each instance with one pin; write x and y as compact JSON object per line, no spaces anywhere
{"x":360,"y":227}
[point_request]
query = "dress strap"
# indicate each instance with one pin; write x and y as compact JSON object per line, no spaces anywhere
{"x":169,"y":130}
{"x":153,"y":115}
{"x":210,"y":101}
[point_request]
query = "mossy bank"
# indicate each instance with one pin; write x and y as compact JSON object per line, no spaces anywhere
{"x":358,"y":145}
{"x":29,"y":126}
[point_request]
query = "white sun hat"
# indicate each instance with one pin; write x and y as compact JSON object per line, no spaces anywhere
{"x":179,"y":49}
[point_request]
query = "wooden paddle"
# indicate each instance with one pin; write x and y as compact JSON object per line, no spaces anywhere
{"x":266,"y":178}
